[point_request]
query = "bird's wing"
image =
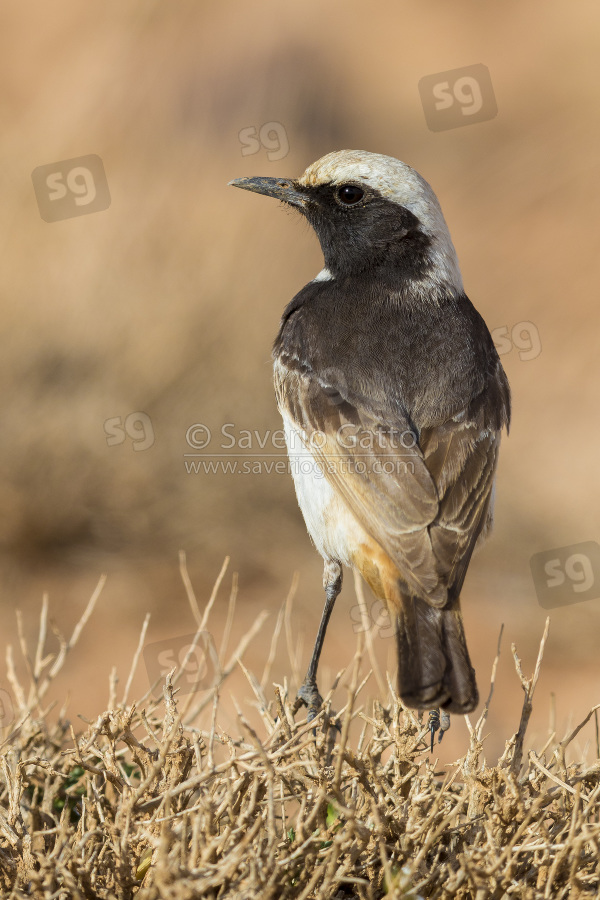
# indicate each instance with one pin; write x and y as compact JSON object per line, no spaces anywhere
{"x":424,"y":503}
{"x":461,"y":458}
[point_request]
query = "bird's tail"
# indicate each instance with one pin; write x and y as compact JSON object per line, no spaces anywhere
{"x":434,"y":669}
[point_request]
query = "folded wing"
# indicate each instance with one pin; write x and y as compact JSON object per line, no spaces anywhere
{"x":424,"y":498}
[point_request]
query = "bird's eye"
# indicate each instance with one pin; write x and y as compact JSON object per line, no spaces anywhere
{"x":349,"y":194}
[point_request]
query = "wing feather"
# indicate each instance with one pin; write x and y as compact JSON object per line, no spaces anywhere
{"x":423,"y":498}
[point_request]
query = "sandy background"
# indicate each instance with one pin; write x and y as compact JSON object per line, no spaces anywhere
{"x":167,"y":303}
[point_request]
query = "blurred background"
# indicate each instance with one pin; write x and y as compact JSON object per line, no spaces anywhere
{"x":125,"y":325}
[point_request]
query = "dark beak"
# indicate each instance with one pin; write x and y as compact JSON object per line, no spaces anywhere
{"x":284,"y":189}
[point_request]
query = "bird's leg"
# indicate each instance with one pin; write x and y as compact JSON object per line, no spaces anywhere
{"x":444,"y":724}
{"x":439,"y":720}
{"x":309,"y":692}
{"x":433,"y":724}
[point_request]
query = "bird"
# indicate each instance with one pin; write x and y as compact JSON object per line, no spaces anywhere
{"x":393,"y":399}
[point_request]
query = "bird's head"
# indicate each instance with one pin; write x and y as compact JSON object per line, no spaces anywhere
{"x":370,"y":212}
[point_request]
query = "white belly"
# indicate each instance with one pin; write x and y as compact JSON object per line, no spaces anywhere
{"x":332,"y":527}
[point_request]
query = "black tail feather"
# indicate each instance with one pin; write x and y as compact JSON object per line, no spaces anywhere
{"x":434,"y":669}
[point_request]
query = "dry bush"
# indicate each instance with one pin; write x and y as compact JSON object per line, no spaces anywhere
{"x":154,"y":799}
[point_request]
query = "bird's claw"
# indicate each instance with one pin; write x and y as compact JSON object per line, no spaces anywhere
{"x":309,"y":696}
{"x":438,"y":721}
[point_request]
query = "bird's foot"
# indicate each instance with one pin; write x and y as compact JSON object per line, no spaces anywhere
{"x":439,"y":720}
{"x":309,"y":696}
{"x":433,"y":723}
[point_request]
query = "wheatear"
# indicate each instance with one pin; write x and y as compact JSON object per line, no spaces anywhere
{"x":390,"y":386}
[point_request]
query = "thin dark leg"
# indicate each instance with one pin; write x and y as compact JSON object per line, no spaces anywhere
{"x":309,"y":692}
{"x":439,"y":720}
{"x":434,"y":724}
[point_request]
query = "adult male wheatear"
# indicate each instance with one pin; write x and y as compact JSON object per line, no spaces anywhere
{"x":389,"y":384}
